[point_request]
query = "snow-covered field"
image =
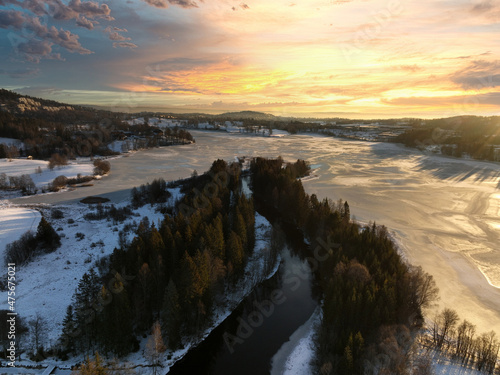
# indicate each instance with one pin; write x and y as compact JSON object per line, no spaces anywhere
{"x":17,"y":167}
{"x":14,"y":222}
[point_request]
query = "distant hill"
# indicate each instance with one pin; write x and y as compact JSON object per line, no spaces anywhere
{"x":247,"y":115}
{"x":22,"y":106}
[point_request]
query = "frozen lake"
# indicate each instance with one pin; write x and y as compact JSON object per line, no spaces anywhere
{"x":444,"y":212}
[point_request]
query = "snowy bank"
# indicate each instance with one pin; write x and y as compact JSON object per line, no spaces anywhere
{"x":295,"y":356}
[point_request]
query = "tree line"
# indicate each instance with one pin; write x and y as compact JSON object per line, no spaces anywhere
{"x":478,"y":137}
{"x":460,"y":340}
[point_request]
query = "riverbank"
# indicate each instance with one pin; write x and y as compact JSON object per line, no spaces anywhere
{"x":296,"y":355}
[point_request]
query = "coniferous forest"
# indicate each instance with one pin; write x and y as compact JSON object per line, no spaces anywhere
{"x":170,"y":272}
{"x":169,"y":275}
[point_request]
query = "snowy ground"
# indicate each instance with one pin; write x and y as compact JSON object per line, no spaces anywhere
{"x":15,"y":221}
{"x":18,"y":167}
{"x":444,"y":366}
{"x":56,"y":275}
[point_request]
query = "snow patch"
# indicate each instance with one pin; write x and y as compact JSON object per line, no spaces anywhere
{"x":14,"y":222}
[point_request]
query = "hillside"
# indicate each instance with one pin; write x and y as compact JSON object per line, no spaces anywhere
{"x":247,"y":115}
{"x":46,"y":127}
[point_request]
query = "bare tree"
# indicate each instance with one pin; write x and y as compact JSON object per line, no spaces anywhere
{"x":487,"y":352}
{"x":423,"y":289}
{"x":38,"y":331}
{"x":57,"y":160}
{"x":444,"y":325}
{"x":465,"y":340}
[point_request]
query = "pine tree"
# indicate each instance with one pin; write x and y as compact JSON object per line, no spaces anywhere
{"x":47,"y":237}
{"x":85,"y":299}
{"x":143,"y":296}
{"x":347,"y":212}
{"x":234,"y":251}
{"x":116,"y":328}
{"x":171,"y":316}
{"x":69,"y":330}
{"x":240,"y":229}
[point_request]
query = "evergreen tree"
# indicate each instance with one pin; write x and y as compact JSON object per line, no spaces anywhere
{"x":85,"y":299}
{"x":234,"y":251}
{"x":69,"y":330}
{"x":171,"y":316}
{"x":347,"y":212}
{"x":116,"y":323}
{"x":47,"y":237}
{"x":240,"y":229}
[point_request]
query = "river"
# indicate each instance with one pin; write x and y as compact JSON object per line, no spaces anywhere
{"x":247,"y":340}
{"x":443,"y":212}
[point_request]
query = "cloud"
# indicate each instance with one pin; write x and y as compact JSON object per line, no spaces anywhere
{"x":11,"y":18}
{"x":39,"y":38}
{"x":80,"y":11}
{"x":36,"y":39}
{"x":184,"y":3}
{"x":409,"y":68}
{"x":63,"y":38}
{"x":157,"y":3}
{"x":242,"y":6}
{"x":35,"y":6}
{"x":479,"y":74}
{"x":20,"y":73}
{"x":164,"y":3}
{"x":482,"y":7}
{"x":84,"y":22}
{"x":124,"y":45}
{"x":35,"y":50}
{"x":458,"y":103}
{"x":114,"y":35}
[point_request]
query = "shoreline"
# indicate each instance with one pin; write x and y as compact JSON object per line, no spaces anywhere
{"x":296,"y":354}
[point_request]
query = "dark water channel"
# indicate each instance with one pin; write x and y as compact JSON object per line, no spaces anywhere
{"x":248,"y":339}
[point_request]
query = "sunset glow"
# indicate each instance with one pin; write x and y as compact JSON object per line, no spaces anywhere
{"x":383,"y":58}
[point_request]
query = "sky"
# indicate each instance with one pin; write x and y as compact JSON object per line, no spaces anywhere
{"x":332,"y":58}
